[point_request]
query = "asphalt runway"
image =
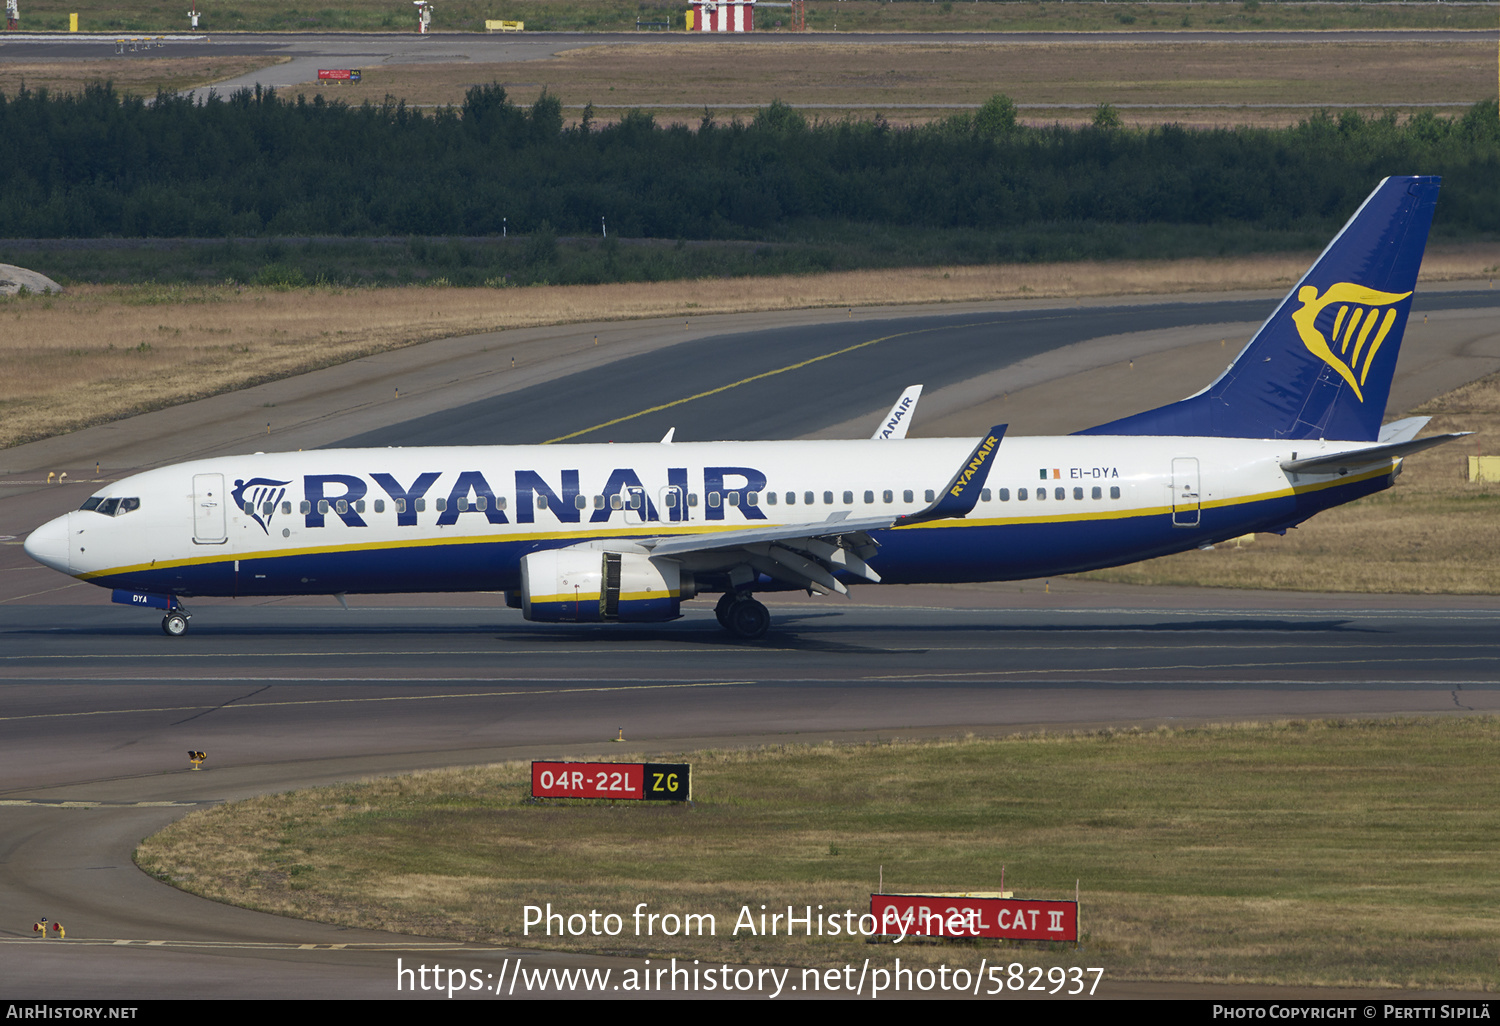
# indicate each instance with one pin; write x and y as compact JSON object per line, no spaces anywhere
{"x":99,"y":709}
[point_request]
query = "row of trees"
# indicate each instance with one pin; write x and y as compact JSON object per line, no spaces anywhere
{"x":253,"y":164}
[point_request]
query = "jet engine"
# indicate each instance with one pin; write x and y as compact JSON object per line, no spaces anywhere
{"x":590,"y":586}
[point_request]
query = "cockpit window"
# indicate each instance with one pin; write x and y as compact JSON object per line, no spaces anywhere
{"x":112,"y":507}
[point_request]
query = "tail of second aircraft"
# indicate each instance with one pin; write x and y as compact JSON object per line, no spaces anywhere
{"x":1321,"y":365}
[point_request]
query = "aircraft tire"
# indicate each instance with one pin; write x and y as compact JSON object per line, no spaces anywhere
{"x":748,"y":619}
{"x":721,"y":611}
{"x":174,"y":625}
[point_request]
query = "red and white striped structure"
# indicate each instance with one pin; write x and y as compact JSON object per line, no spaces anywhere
{"x":723,"y":15}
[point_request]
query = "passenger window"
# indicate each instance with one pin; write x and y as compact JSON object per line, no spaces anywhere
{"x":1005,"y":495}
{"x":463,"y":503}
{"x":930,"y":495}
{"x":481,"y":503}
{"x":420,"y":505}
{"x":984,"y":494}
{"x":733,"y":498}
{"x":713,"y":499}
{"x":323,"y":506}
{"x":1077,"y":493}
{"x":400,"y":505}
{"x":770,"y":498}
{"x":249,"y":507}
{"x":848,"y":498}
{"x":907,"y":496}
{"x":791,"y":498}
{"x":441,"y":505}
{"x":286,"y":508}
{"x":581,"y":501}
{"x":615,"y":503}
{"x":1114,"y":491}
{"x":887,"y":496}
{"x":379,"y":505}
{"x":541,"y":503}
{"x":869,"y":497}
{"x":359,"y":506}
{"x":828,"y":498}
{"x":752,"y":498}
{"x":1061,"y":493}
{"x":807,"y":498}
{"x":1020,"y":495}
{"x":1041,"y":493}
{"x":306,"y":507}
{"x":692,"y":499}
{"x":500,"y":502}
{"x":669,"y":500}
{"x":1097,"y":493}
{"x":343,"y":506}
{"x":266,"y":508}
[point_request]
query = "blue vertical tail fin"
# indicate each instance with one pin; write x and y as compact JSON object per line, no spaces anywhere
{"x":1321,"y":365}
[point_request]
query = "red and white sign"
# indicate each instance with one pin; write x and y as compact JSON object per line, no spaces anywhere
{"x":723,"y":15}
{"x":920,"y":915}
{"x":338,"y":74}
{"x":587,"y":780}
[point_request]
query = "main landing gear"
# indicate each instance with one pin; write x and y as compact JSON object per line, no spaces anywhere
{"x":742,"y":616}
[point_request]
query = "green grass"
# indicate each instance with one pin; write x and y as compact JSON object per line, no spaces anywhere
{"x":1319,"y":853}
{"x":822,"y":15}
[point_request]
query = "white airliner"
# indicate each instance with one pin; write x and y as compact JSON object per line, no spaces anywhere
{"x":590,"y":533}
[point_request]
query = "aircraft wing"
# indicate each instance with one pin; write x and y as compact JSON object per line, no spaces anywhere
{"x":1350,"y":459}
{"x":808,"y":554}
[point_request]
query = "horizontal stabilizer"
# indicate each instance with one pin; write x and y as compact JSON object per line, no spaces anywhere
{"x":1402,"y":430}
{"x":1351,"y":459}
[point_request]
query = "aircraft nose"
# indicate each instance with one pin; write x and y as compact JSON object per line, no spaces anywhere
{"x":48,"y":544}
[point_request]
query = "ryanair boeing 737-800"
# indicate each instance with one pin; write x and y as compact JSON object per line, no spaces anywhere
{"x":590,"y":533}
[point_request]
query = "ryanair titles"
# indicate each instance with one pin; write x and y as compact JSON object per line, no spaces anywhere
{"x":349,"y":498}
{"x":976,"y":463}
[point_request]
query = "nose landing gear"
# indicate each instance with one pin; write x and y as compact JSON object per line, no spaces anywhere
{"x":175,"y":623}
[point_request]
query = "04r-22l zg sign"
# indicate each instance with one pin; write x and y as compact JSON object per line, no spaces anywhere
{"x":639,"y":781}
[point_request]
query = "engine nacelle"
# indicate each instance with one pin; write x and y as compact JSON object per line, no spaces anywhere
{"x":590,"y":586}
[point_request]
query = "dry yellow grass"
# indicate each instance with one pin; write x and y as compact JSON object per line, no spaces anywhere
{"x":99,"y":353}
{"x":132,"y":74}
{"x":1191,"y":74}
{"x":1332,"y":853}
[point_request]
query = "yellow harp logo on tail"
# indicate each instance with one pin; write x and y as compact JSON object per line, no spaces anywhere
{"x":1359,"y":327}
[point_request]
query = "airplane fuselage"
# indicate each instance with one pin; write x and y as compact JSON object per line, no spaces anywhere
{"x":462,"y":518}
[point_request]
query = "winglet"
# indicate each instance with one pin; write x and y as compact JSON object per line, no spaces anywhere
{"x":958,"y":499}
{"x":896,"y":422}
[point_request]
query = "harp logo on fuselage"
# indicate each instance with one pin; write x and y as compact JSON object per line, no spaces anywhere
{"x":1357,"y":320}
